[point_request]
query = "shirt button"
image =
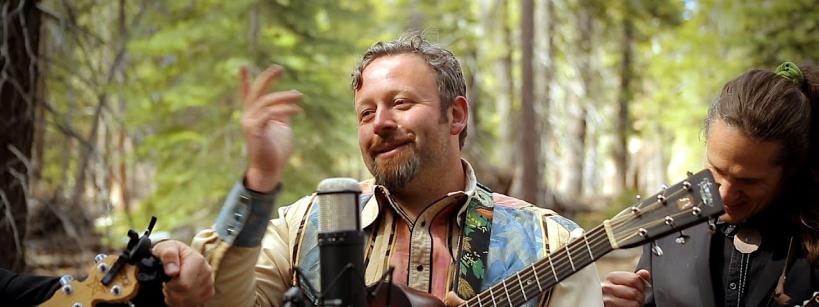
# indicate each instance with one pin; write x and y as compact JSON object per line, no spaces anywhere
{"x":244,"y":199}
{"x":732,"y":286}
{"x":419,"y":268}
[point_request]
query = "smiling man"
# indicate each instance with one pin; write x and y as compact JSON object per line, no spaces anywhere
{"x":761,"y":146}
{"x":424,"y":214}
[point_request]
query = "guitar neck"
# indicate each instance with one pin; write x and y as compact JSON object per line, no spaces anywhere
{"x":531,"y":281}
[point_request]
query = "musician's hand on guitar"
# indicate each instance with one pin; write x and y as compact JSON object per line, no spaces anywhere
{"x":266,"y":126}
{"x":191,"y":281}
{"x":452,"y":299}
{"x":625,"y":289}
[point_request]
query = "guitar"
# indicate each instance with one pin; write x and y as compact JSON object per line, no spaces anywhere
{"x":133,"y":278}
{"x":685,"y":204}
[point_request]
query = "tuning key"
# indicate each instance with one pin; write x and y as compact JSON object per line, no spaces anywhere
{"x":663,"y":187}
{"x":712,"y":226}
{"x":68,"y":289}
{"x":656,"y":249}
{"x":687,"y":185}
{"x":116,"y":290}
{"x":102,"y":267}
{"x":669,"y":220}
{"x":99,"y":257}
{"x":635,"y":210}
{"x":682,"y":239}
{"x":643,"y":232}
{"x":696,"y":211}
{"x":661,"y":199}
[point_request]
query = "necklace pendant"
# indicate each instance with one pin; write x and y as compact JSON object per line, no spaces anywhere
{"x":747,"y":240}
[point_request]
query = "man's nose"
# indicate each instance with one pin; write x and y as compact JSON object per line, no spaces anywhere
{"x":384,"y":122}
{"x":727,"y":191}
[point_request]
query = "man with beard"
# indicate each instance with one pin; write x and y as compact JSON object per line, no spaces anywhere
{"x":424,"y":214}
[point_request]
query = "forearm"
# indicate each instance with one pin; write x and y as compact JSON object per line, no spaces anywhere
{"x":26,"y":290}
{"x":232,"y":248}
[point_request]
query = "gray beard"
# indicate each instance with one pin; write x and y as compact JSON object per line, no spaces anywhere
{"x":398,"y":177}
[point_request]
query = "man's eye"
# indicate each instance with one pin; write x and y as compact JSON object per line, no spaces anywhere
{"x":365,"y":115}
{"x":401,"y":103}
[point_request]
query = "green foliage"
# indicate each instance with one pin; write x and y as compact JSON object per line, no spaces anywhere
{"x":173,"y":93}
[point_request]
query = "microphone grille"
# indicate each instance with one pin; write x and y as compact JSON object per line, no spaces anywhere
{"x":339,"y":207}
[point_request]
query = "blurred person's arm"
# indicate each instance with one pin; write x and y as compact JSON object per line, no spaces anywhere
{"x":26,"y":290}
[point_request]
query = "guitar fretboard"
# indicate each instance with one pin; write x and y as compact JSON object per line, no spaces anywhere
{"x":531,"y":281}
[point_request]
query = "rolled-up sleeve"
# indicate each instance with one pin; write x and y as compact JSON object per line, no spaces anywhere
{"x":244,"y":243}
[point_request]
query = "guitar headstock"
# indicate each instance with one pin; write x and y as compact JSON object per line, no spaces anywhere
{"x":91,"y":291}
{"x":118,"y":279}
{"x":677,"y":207}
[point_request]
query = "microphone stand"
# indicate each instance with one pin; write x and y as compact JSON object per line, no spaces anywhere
{"x":296,"y":296}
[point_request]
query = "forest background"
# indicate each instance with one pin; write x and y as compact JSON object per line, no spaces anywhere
{"x":114,"y":111}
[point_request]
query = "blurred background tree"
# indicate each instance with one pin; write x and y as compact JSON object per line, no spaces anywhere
{"x":113,"y":111}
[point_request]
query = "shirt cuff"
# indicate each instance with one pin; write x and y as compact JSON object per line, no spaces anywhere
{"x":244,"y":217}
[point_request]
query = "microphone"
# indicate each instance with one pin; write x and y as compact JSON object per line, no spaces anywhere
{"x":340,"y":242}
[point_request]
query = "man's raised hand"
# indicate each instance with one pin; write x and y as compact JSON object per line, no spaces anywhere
{"x":266,"y":126}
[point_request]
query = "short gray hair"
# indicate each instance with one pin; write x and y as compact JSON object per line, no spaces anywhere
{"x":449,"y":77}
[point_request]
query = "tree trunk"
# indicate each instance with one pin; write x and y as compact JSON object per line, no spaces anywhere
{"x":585,"y":28}
{"x":623,"y":123}
{"x":18,"y":88}
{"x":531,"y":188}
{"x":548,"y":77}
{"x":506,"y":97}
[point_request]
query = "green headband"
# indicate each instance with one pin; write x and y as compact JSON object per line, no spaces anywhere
{"x":791,"y":72}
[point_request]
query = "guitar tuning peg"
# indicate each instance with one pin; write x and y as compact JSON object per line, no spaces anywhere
{"x":66,"y":279}
{"x":642,"y":232}
{"x":637,"y":198}
{"x":67,"y":289}
{"x":99,"y":257}
{"x":102,"y":267}
{"x":663,"y":187}
{"x":712,"y":226}
{"x":116,"y":290}
{"x":682,"y":239}
{"x":656,"y":250}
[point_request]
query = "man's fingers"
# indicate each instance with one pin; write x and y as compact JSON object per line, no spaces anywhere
{"x":283,"y":113}
{"x":627,"y":279}
{"x":263,"y":82}
{"x":644,"y":274}
{"x":286,"y":97}
{"x":619,"y":302}
{"x":277,"y":113}
{"x":623,"y":292}
{"x":168,"y":252}
{"x":452,"y":299}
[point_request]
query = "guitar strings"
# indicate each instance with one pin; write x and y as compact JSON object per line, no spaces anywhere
{"x":515,"y":292}
{"x":544,"y":280}
{"x":597,"y":243}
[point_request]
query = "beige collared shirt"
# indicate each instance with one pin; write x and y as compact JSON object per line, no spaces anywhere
{"x":421,"y":252}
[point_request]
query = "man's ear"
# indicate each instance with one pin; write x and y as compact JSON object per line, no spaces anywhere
{"x":460,"y":115}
